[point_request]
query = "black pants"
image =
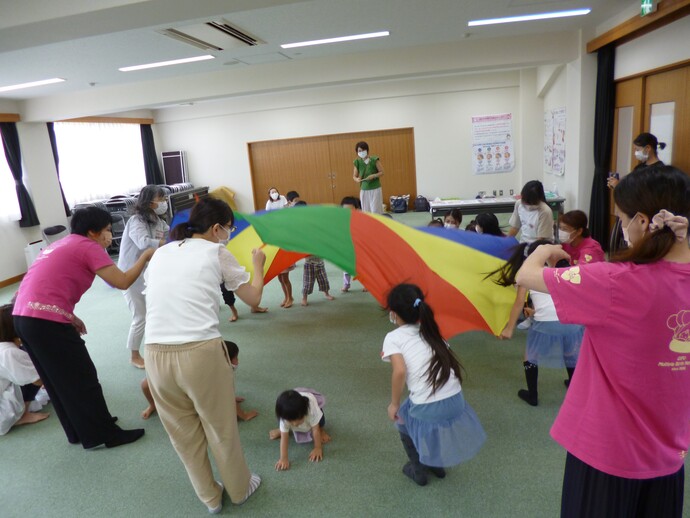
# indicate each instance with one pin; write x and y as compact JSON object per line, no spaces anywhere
{"x":590,"y":493}
{"x":68,"y":374}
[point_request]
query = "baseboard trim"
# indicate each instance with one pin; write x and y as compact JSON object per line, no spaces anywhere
{"x":11,"y":280}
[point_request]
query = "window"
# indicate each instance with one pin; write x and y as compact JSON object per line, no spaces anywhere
{"x":99,"y":160}
{"x":9,"y":206}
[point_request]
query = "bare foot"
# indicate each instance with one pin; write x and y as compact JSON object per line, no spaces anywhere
{"x":239,"y":399}
{"x":31,"y":417}
{"x":259,"y":309}
{"x":274,"y":434}
{"x":364,"y":290}
{"x":325,"y":438}
{"x":345,"y":289}
{"x":304,"y":301}
{"x":282,"y":304}
{"x":147,"y":413}
{"x":137,"y":361}
{"x":247,"y":416}
{"x":329,"y":296}
{"x":289,"y":303}
{"x":234,"y":316}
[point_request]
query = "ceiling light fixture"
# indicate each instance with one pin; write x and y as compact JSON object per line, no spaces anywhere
{"x":529,"y":17}
{"x":336,"y":40}
{"x":166,"y":63}
{"x":31,"y":84}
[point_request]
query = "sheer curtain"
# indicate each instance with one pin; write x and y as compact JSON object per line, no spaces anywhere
{"x":9,"y":206}
{"x":99,"y":160}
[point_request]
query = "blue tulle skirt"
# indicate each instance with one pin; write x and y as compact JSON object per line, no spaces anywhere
{"x":555,"y":345}
{"x":445,"y":433}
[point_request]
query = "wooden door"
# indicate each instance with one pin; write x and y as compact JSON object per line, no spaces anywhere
{"x":320,"y":168}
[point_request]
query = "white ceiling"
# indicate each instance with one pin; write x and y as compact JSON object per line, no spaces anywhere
{"x":86,"y":41}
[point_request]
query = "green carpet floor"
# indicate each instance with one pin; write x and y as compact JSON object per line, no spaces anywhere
{"x":332,"y":346}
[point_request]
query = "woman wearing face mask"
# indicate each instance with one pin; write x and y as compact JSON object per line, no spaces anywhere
{"x":625,"y":421}
{"x":573,"y":234}
{"x":453,"y":219}
{"x":487,"y":223}
{"x":275,"y":200}
{"x":145,"y":229}
{"x":367,"y":173}
{"x":532,"y":217}
{"x":645,"y":145}
{"x":187,"y":364}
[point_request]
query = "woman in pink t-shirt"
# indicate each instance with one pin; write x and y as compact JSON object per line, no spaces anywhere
{"x":50,"y":331}
{"x":625,"y":421}
{"x":573,"y":234}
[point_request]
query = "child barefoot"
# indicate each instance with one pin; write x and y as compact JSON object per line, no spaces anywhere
{"x":300,"y":411}
{"x":19,"y":381}
{"x":315,"y":270}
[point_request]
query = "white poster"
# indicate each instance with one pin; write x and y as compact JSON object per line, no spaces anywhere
{"x":492,"y":144}
{"x":554,"y":141}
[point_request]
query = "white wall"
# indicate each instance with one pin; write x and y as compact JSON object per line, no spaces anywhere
{"x":215,"y":135}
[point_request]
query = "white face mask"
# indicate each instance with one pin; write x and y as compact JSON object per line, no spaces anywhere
{"x":224,"y":242}
{"x":479,"y":230}
{"x":362,"y":154}
{"x":563,"y":236}
{"x":275,"y":195}
{"x":626,"y":236}
{"x":449,"y":225}
{"x":641,"y":155}
{"x":392,"y":319}
{"x":161,"y":208}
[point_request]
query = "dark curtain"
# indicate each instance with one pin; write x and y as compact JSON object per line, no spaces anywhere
{"x":10,"y":142}
{"x":603,"y":141}
{"x":56,"y":158}
{"x":151,"y":167}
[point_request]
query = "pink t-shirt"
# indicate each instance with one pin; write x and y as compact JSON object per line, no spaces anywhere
{"x":588,"y":251}
{"x":59,"y":277}
{"x":627,"y":411}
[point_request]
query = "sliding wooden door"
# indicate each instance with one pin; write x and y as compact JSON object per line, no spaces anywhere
{"x":320,"y":168}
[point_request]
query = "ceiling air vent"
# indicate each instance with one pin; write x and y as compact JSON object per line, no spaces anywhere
{"x":211,"y":36}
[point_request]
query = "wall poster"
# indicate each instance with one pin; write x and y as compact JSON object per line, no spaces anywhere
{"x":554,"y":141}
{"x":492,"y":144}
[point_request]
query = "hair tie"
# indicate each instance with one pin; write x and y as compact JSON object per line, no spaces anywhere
{"x":677,"y":224}
{"x":417,"y":302}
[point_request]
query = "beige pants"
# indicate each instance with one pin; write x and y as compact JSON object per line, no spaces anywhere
{"x":193,"y":387}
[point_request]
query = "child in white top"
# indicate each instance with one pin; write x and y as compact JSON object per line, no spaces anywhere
{"x":437,"y":427}
{"x":275,"y":200}
{"x":532,"y":217}
{"x":19,"y":381}
{"x":300,"y":411}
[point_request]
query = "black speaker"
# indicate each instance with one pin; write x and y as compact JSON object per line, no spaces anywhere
{"x":174,"y":167}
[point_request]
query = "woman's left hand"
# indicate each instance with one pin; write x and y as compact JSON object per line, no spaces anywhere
{"x":78,"y":325}
{"x":393,"y":412}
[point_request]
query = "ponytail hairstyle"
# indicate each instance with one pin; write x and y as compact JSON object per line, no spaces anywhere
{"x":647,"y":139}
{"x":407,"y":300}
{"x":205,"y":213}
{"x":648,"y":191}
{"x":505,"y":275}
{"x":142,"y":207}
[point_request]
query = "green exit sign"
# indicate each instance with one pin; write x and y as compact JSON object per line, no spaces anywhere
{"x":647,"y":6}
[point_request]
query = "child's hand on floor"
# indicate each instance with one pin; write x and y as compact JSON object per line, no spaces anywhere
{"x":316,"y":455}
{"x":283,"y":465}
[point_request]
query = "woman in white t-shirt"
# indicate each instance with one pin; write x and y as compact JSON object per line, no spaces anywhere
{"x":275,"y":200}
{"x":437,"y":427}
{"x":187,"y":364}
{"x":531,"y":217}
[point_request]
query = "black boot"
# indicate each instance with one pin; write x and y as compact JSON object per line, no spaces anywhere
{"x":571,"y":371}
{"x":414,"y":468}
{"x":531,"y":375}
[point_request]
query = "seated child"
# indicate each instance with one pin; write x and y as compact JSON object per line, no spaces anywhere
{"x":234,"y":354}
{"x":436,"y":222}
{"x":300,"y":410}
{"x":19,"y":381}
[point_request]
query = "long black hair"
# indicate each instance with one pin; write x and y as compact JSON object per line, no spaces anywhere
{"x":407,"y":300}
{"x":489,"y":223}
{"x":505,"y":275}
{"x":205,"y":213}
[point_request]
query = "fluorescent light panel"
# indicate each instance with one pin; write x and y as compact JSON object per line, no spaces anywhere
{"x":31,"y":84}
{"x":529,"y":17}
{"x":166,"y":63}
{"x":336,"y":40}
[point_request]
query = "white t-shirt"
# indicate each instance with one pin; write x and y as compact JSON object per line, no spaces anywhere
{"x":417,"y":354}
{"x":183,"y":290}
{"x":311,"y":419}
{"x":534,"y":222}
{"x":278,"y":204}
{"x":16,"y":369}
{"x":544,"y":309}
